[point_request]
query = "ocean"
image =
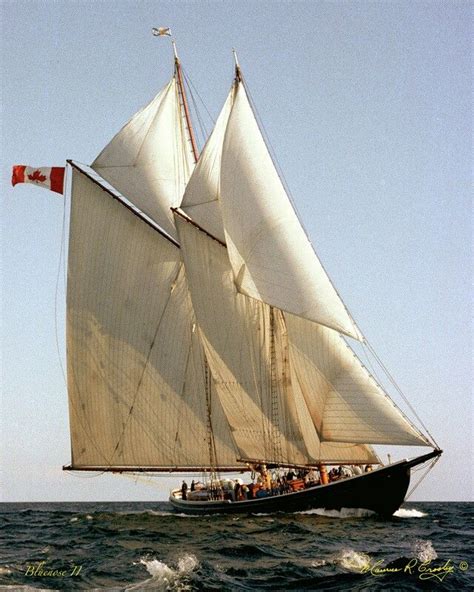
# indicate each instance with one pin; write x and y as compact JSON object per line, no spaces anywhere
{"x":146,"y":546}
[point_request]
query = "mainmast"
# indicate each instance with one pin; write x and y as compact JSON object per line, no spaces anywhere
{"x":238,"y":72}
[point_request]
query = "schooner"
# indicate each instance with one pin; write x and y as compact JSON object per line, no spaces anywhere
{"x":204,"y":334}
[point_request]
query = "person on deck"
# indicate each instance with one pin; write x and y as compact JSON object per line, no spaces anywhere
{"x":192,"y":485}
{"x":236,"y":491}
{"x":184,"y":490}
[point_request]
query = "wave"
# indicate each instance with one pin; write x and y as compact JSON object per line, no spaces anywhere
{"x":164,"y":577}
{"x":179,"y":514}
{"x":342,"y":513}
{"x":25,"y":588}
{"x":423,"y":550}
{"x":348,"y":559}
{"x":412,"y":513}
{"x":5,"y":570}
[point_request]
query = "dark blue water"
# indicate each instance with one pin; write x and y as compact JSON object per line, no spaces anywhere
{"x":145,"y":546}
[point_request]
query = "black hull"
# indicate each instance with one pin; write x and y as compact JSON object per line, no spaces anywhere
{"x":381,"y":491}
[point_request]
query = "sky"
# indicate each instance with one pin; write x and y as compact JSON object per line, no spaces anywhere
{"x":368,"y":108}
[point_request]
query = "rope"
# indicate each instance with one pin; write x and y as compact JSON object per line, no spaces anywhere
{"x":399,"y":390}
{"x":190,"y":83}
{"x":61,"y":261}
{"x":430,"y":466}
{"x":203,"y":129}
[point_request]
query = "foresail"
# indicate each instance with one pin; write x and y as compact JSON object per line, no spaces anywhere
{"x":149,"y":161}
{"x":345,"y":402}
{"x":236,"y":332}
{"x":271,"y":256}
{"x":135,"y":364}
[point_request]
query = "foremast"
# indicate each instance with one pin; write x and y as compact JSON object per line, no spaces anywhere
{"x":184,"y":103}
{"x":213,"y":461}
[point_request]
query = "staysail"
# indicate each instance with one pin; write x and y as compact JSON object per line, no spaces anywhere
{"x":135,"y":365}
{"x":150,"y":159}
{"x":345,"y":402}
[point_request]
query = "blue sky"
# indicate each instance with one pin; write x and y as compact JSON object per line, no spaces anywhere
{"x":368,"y":108}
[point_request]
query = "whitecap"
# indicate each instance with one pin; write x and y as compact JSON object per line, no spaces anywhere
{"x":164,"y":577}
{"x":342,"y":513}
{"x":423,"y":550}
{"x":178,"y":514}
{"x":351,"y":560}
{"x":411,"y":513}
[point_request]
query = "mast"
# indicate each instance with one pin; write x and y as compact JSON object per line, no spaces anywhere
{"x":238,"y":72}
{"x":184,"y":102}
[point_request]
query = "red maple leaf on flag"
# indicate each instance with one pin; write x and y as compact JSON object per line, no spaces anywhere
{"x":37,"y":177}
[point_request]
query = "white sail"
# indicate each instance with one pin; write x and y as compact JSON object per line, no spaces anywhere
{"x":270,"y":254}
{"x":135,"y":365}
{"x":150,"y":159}
{"x":345,"y":402}
{"x":357,"y":411}
{"x":201,"y":198}
{"x":327,"y":452}
{"x":236,"y":332}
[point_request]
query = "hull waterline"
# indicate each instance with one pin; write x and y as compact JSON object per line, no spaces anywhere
{"x":381,"y":491}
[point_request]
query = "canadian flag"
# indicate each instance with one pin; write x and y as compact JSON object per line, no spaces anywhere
{"x":49,"y":177}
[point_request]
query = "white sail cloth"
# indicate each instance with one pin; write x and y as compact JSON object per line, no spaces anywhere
{"x":246,"y":347}
{"x":235,"y":193}
{"x":135,"y":363}
{"x":234,"y":330}
{"x":271,"y":256}
{"x":345,"y":402}
{"x":150,"y":159}
{"x":201,"y":198}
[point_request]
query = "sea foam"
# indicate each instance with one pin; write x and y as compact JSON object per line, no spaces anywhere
{"x":424,"y":550}
{"x":164,"y":577}
{"x":412,"y":513}
{"x":348,"y":559}
{"x":342,"y":513}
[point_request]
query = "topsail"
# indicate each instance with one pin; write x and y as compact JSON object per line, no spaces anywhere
{"x":150,"y":159}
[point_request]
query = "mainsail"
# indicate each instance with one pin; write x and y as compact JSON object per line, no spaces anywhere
{"x":246,"y":345}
